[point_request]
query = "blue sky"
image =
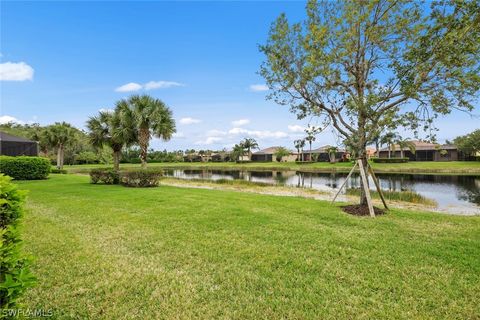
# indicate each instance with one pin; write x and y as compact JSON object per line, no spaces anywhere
{"x":201,"y":58}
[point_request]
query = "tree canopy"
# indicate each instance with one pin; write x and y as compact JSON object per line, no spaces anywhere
{"x":362,"y":66}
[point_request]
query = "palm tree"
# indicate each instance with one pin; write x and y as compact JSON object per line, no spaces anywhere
{"x":143,"y":117}
{"x":249,"y":144}
{"x":299,"y":145}
{"x":238,"y":150}
{"x":280,"y":153}
{"x":311,"y":132}
{"x":405,"y":144}
{"x":331,"y":153}
{"x":59,"y":136}
{"x":389,"y":139}
{"x":105,"y":131}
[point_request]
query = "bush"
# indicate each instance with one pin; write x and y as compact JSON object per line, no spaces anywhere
{"x":140,"y":178}
{"x":390,"y":160}
{"x":105,"y":175}
{"x":25,"y":168}
{"x":60,"y":171}
{"x":15,"y":276}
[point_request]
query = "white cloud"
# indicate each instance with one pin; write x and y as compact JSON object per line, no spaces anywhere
{"x":258,"y":87}
{"x":161,"y":85}
{"x":106,"y":110}
{"x":179,"y":135}
{"x":216,"y":133}
{"x":209,"y":140}
{"x":129,"y":87}
{"x":189,"y":120}
{"x":260,"y":134}
{"x":296,"y":128}
{"x":240,"y":122}
{"x":15,"y":71}
{"x":6,"y":119}
{"x":133,"y":86}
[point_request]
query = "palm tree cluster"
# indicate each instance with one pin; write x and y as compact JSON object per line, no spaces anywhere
{"x":244,"y":146}
{"x":134,"y":121}
{"x":392,"y":140}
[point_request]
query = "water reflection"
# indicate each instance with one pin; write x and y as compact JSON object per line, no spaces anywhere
{"x":449,"y":191}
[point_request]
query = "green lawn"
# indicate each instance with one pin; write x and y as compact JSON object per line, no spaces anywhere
{"x":432,"y":167}
{"x":110,"y":252}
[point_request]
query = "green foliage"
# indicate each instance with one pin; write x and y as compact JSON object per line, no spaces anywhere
{"x":390,"y":160}
{"x":15,"y":276}
{"x":104,"y":175}
{"x":142,"y":117}
{"x":280,"y":153}
{"x":366,"y":66}
{"x":141,"y":178}
{"x":86,"y":157}
{"x":58,"y":171}
{"x":469,"y":144}
{"x":25,"y":168}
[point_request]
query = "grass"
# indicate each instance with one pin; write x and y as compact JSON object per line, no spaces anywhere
{"x":406,"y":196}
{"x":421,"y":167}
{"x":110,"y":252}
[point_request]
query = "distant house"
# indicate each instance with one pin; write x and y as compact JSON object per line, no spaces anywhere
{"x":322,"y":154}
{"x":11,"y":145}
{"x":425,"y":151}
{"x":268,"y":155}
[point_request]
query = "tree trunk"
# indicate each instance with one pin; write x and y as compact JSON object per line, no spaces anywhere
{"x":377,"y":146}
{"x":116,"y":160}
{"x":143,"y":140}
{"x":362,"y":154}
{"x":310,"y":143}
{"x":401,"y":153}
{"x":60,"y":157}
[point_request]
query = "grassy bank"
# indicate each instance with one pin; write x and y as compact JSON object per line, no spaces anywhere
{"x":110,"y":252}
{"x":427,"y":167}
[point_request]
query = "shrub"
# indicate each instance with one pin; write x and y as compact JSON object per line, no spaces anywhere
{"x":140,"y":178}
{"x":390,"y":160}
{"x":105,"y":175}
{"x":15,"y":276}
{"x":25,"y":168}
{"x":60,"y":171}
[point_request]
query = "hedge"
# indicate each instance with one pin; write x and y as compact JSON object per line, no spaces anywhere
{"x":25,"y":168}
{"x":105,"y":175}
{"x":142,"y":178}
{"x":58,"y":171}
{"x":390,"y":160}
{"x":15,"y":276}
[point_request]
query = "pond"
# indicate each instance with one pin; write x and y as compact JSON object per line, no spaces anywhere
{"x":457,"y":194}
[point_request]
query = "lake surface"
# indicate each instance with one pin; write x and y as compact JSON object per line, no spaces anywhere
{"x":453,"y":194}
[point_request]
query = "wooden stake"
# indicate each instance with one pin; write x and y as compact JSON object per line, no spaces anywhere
{"x":365,"y":188}
{"x":377,"y":184}
{"x":345,"y":182}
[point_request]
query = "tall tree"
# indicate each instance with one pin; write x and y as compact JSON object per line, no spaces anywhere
{"x":59,"y":136}
{"x":389,"y":139}
{"x":363,"y":65}
{"x":469,"y":144}
{"x":105,"y":130}
{"x":299,"y":145}
{"x":143,"y":117}
{"x":311,"y":132}
{"x":249,"y":144}
{"x":238,"y":151}
{"x":405,"y":144}
{"x":280,"y":153}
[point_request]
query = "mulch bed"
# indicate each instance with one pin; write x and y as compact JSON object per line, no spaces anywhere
{"x":359,"y":210}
